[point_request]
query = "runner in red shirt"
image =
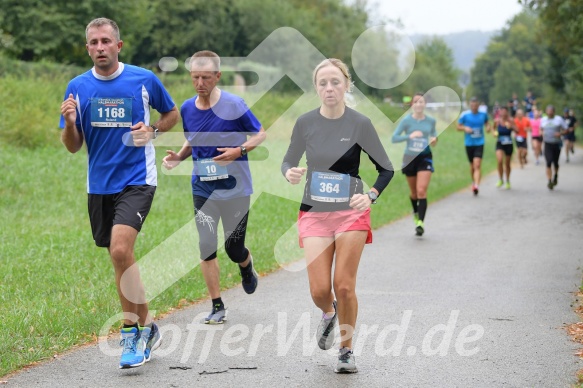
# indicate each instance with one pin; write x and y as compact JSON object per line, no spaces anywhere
{"x":522,"y":126}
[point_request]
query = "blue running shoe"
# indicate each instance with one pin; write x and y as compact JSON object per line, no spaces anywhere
{"x":153,"y":342}
{"x":133,"y":348}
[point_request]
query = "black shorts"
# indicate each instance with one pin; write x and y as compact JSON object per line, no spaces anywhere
{"x":570,"y":136}
{"x":474,"y":152}
{"x":413,"y":164}
{"x":521,"y":144}
{"x":507,"y":148}
{"x":539,"y":138}
{"x":129,"y":207}
{"x":552,"y":153}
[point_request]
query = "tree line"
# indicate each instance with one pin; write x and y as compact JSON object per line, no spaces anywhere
{"x":54,"y":31}
{"x":541,"y":50}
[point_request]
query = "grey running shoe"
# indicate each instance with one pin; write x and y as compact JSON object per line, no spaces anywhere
{"x":325,"y":332}
{"x":217,"y":316}
{"x":346,"y":362}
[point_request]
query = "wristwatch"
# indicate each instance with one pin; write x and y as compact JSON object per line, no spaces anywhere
{"x":373,"y":197}
{"x":243,"y":150}
{"x":155,"y":128}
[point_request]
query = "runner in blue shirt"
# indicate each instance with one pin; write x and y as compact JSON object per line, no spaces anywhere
{"x":418,"y":130}
{"x":108,"y":108}
{"x":473,"y":124}
{"x":216,"y":126}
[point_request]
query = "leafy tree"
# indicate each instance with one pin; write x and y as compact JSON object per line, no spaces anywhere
{"x":508,"y":79}
{"x":562,"y":32}
{"x":522,"y":40}
{"x":482,"y":74}
{"x":434,"y":66}
{"x":34,"y":30}
{"x":518,"y":40}
{"x":375,"y":59}
{"x":183,"y":27}
{"x":55,"y":30}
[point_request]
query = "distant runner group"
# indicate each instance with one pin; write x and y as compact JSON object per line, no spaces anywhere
{"x":510,"y":127}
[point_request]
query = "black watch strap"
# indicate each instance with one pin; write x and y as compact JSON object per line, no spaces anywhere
{"x":156,"y":130}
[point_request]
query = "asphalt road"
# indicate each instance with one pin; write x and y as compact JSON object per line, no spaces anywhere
{"x":479,"y":301}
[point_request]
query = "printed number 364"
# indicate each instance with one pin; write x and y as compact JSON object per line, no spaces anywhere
{"x":329,"y":188}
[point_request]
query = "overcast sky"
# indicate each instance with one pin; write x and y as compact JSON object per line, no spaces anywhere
{"x":445,"y":16}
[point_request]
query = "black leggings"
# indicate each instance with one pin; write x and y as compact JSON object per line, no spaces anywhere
{"x":234,"y":214}
{"x":552,"y":153}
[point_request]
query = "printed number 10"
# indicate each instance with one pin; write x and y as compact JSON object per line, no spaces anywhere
{"x":212,"y":169}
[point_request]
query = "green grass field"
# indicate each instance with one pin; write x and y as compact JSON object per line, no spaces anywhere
{"x":57,"y":288}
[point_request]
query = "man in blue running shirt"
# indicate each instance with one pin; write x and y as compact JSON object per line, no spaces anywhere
{"x":108,"y":108}
{"x":473,"y":123}
{"x":220,"y":130}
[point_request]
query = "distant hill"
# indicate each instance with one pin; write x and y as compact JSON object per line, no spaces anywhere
{"x":466,"y":45}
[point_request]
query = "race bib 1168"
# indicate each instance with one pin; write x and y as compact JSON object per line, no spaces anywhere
{"x":111,"y":112}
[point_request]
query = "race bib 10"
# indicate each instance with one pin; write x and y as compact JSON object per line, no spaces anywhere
{"x":209,"y":170}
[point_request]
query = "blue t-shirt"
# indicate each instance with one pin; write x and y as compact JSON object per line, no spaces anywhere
{"x":419,"y":145}
{"x":476,"y":121}
{"x":227,"y":124}
{"x":106,"y":108}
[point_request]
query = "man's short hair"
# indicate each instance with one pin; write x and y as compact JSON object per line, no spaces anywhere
{"x":474,"y":99}
{"x":103,"y":22}
{"x":203,"y":58}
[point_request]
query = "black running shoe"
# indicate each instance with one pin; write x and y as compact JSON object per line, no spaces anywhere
{"x":419,"y":230}
{"x":249,"y":278}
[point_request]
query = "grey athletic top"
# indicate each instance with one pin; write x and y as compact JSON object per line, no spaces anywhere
{"x":550,"y":127}
{"x":333,"y":148}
